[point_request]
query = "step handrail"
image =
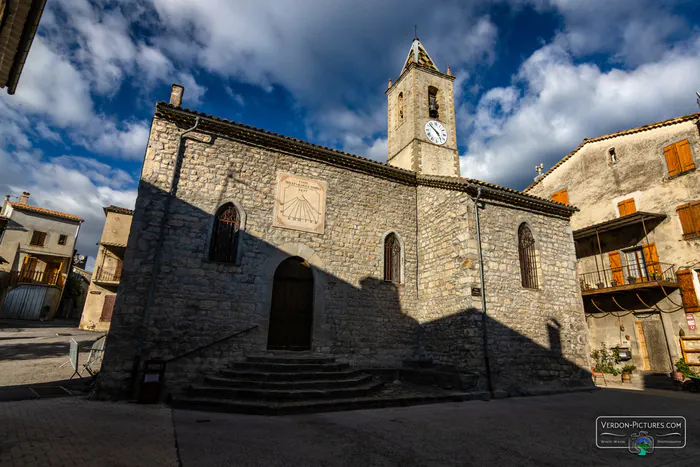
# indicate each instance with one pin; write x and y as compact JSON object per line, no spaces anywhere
{"x":236,"y":334}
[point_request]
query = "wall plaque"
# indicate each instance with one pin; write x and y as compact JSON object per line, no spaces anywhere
{"x":300,"y":203}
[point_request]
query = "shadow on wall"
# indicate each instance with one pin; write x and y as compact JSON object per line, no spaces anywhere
{"x":368,"y":323}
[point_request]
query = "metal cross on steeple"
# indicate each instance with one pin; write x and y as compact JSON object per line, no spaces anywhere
{"x":415,"y":31}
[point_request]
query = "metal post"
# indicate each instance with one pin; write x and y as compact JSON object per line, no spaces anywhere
{"x":600,"y":252}
{"x":646,"y":238}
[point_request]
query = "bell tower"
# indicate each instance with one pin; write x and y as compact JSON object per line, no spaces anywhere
{"x":422,"y":130}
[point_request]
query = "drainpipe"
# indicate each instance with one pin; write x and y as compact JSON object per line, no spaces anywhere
{"x":489,"y":382}
{"x":159,"y":247}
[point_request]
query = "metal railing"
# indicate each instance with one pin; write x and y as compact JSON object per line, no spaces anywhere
{"x":54,"y":278}
{"x":106,"y":276}
{"x":199,"y":349}
{"x":622,"y":276}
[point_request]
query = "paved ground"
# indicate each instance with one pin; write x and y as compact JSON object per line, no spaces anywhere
{"x":33,"y":352}
{"x":549,"y":430}
{"x":77,"y":432}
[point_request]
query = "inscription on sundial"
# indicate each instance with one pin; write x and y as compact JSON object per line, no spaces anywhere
{"x":300,"y":203}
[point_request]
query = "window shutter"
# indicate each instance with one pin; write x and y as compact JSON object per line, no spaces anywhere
{"x":690,"y":298}
{"x":685,"y":156}
{"x":652,"y":258}
{"x":690,"y":217}
{"x":616,"y":267}
{"x":672,"y":162}
{"x":108,"y":308}
{"x":626,"y":207}
{"x":561,"y":196}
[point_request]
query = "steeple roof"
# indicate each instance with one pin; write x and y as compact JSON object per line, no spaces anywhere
{"x":418,"y":54}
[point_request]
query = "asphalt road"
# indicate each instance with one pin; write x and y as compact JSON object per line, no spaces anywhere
{"x":545,"y":431}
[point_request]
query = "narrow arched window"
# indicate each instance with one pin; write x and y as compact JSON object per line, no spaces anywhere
{"x":392,"y":258}
{"x":401,"y":107}
{"x":226,"y":234}
{"x":433,"y":106}
{"x":528,"y":257}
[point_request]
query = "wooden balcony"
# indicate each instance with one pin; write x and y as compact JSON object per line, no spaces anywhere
{"x":52,"y":278}
{"x":102,"y":276}
{"x":624,"y":289}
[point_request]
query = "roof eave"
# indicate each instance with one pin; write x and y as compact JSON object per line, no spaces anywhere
{"x":25,"y":44}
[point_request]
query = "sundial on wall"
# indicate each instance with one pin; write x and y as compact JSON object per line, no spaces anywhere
{"x":300,"y":203}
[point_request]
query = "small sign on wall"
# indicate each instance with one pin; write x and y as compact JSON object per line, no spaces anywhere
{"x":476,"y":292}
{"x":690,"y":317}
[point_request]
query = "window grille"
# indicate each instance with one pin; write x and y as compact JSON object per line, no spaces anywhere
{"x":225,"y":235}
{"x":392,"y":259}
{"x":528,"y":258}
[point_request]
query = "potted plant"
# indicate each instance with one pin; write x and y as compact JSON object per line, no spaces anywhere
{"x":613,"y":283}
{"x":682,"y":370}
{"x":627,"y":373}
{"x":631,"y":280}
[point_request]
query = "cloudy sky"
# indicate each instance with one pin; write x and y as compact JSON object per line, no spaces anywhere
{"x":534,"y":77}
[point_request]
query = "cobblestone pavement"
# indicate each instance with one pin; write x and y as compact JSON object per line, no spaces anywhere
{"x":33,"y":352}
{"x":77,"y":432}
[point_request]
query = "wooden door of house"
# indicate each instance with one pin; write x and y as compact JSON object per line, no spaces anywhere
{"x":108,"y":308}
{"x":291,"y":313}
{"x":652,"y":343}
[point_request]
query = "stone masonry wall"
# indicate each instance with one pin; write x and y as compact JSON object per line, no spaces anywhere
{"x":357,"y":316}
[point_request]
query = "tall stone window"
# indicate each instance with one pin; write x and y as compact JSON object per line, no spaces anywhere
{"x":225,"y":234}
{"x":433,"y":106}
{"x":401,"y":107}
{"x":528,"y":257}
{"x":392,"y":258}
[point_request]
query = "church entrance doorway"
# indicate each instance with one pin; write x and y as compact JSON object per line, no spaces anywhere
{"x":291,"y":313}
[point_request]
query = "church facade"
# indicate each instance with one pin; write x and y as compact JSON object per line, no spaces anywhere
{"x":294,"y":247}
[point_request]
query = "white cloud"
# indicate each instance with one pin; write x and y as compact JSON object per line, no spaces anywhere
{"x":554,"y":103}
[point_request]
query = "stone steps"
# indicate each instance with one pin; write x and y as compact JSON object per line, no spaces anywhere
{"x":276,"y":367}
{"x":261,"y":382}
{"x":315,"y":406}
{"x":253,"y":375}
{"x":325,"y":383}
{"x":283,"y":394}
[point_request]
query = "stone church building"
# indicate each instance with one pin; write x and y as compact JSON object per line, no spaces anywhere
{"x":295,"y":247}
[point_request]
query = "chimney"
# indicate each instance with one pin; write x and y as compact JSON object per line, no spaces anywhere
{"x":23,"y":198}
{"x":176,"y":95}
{"x":449,"y":71}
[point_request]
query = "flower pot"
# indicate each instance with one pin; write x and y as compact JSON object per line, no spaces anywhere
{"x":678,"y":376}
{"x":626,"y":377}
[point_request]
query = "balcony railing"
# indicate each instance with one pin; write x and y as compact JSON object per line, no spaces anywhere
{"x":623,"y":276}
{"x":54,"y":278}
{"x":106,"y":276}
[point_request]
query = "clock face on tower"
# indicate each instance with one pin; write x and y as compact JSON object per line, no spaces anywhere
{"x":435,"y":132}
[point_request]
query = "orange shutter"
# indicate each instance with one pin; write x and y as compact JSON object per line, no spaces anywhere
{"x":685,"y":156}
{"x":672,"y":162}
{"x":626,"y":207}
{"x":689,"y":215}
{"x":690,"y":298}
{"x":652,"y":259}
{"x":616,"y":266}
{"x":561,"y":196}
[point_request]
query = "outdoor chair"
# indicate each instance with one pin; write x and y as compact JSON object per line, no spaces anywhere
{"x":95,"y":355}
{"x":598,"y":374}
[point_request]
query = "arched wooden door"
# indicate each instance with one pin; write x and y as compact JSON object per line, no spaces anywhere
{"x":291,"y":314}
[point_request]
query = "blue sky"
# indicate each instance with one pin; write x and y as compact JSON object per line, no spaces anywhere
{"x":534,"y":77}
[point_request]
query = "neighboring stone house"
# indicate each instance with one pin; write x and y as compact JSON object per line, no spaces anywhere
{"x":637,"y":237}
{"x":336,"y":255}
{"x":36,"y":249}
{"x":19,"y":20}
{"x":102,"y":292}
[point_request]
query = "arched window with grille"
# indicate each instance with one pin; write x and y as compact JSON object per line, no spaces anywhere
{"x":433,"y":105}
{"x":528,"y":257}
{"x":225,"y":235}
{"x":392,"y":258}
{"x":401,"y":107}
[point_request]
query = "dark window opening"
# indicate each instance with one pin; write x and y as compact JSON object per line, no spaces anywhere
{"x":433,"y":106}
{"x":392,"y":259}
{"x":612,"y":155}
{"x":528,"y":258}
{"x":225,"y":235}
{"x":401,"y":107}
{"x":38,"y":238}
{"x":62,"y":239}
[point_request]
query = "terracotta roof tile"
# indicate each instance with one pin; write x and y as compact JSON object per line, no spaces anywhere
{"x":48,"y":212}
{"x":650,"y":126}
{"x":118,"y":210}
